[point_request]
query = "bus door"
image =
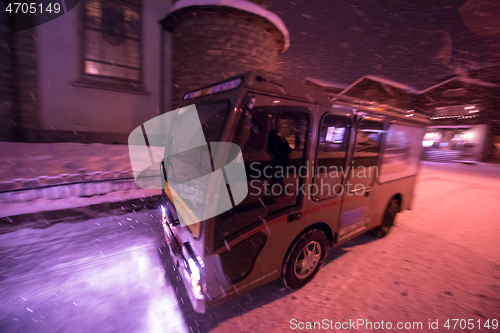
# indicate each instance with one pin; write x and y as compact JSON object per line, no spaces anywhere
{"x":361,"y":172}
{"x":274,"y":137}
{"x":327,"y":189}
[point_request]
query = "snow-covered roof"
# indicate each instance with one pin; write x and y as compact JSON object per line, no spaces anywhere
{"x":383,"y":81}
{"x":437,"y":85}
{"x":244,"y":5}
{"x":326,"y":84}
{"x":394,"y":84}
{"x":477,"y":82}
{"x":464,"y":79}
{"x":476,"y":66}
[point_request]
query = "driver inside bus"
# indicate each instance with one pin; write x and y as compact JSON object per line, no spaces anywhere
{"x":280,"y":149}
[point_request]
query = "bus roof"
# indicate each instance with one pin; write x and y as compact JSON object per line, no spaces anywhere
{"x":281,"y":86}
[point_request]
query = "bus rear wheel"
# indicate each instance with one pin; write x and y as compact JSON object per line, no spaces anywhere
{"x":388,"y":220}
{"x":304,"y":259}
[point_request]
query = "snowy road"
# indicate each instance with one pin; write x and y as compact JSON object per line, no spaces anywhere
{"x":102,"y":275}
{"x":441,"y":261}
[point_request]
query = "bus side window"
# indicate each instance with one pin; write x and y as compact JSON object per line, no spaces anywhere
{"x":364,"y":166}
{"x":331,"y":155}
{"x":401,"y":153}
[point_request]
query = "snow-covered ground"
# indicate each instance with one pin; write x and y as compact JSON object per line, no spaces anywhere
{"x":33,"y":160}
{"x":101,"y":275}
{"x":441,"y":261}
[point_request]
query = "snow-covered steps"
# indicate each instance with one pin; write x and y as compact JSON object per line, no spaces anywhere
{"x":442,"y":155}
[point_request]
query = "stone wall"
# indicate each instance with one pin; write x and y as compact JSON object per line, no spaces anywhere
{"x":7,"y":76}
{"x":19,"y":107}
{"x":211,"y":44}
{"x":27,"y":84}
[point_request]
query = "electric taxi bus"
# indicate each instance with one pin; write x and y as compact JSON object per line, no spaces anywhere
{"x":319,"y":171}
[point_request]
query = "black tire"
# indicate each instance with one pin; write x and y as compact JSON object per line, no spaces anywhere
{"x":297,"y":269}
{"x":388,"y":220}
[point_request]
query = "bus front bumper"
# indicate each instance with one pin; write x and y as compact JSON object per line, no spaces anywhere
{"x":186,"y":270}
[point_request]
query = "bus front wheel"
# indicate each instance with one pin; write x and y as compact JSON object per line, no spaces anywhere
{"x":304,"y":259}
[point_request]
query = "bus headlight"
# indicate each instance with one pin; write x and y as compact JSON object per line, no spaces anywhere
{"x":163,"y":214}
{"x":195,"y":279}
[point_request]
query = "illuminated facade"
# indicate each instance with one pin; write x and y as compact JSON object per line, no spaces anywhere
{"x":465,"y":111}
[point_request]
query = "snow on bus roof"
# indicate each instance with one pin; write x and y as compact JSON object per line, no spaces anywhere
{"x":244,"y":5}
{"x":326,"y":84}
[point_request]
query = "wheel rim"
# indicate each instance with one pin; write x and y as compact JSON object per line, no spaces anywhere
{"x":307,"y":260}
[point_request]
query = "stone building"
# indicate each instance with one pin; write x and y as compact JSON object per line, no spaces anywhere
{"x":106,"y":66}
{"x":90,"y":75}
{"x":216,"y":39}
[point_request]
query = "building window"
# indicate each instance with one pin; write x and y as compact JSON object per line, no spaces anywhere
{"x":112,"y":42}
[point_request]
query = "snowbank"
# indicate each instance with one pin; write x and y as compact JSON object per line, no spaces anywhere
{"x":70,"y":202}
{"x":22,"y":160}
{"x":64,"y":175}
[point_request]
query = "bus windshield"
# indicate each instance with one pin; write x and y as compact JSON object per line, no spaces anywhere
{"x":180,"y":138}
{"x":184,"y":168}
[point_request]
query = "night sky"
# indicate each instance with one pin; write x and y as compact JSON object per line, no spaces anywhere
{"x":416,"y":42}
